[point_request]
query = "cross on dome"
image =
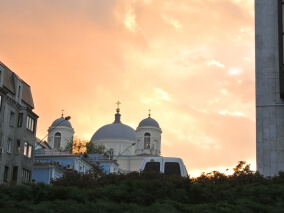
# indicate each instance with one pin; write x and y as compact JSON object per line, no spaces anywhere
{"x":62,"y":112}
{"x":149,"y":112}
{"x":118,"y":110}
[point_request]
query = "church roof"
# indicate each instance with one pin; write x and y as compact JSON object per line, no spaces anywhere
{"x":61,"y":122}
{"x":149,"y":122}
{"x":116,"y":130}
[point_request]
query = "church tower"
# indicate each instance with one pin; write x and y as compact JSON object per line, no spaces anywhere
{"x":148,"y":137}
{"x":60,"y":133}
{"x":269,"y":86}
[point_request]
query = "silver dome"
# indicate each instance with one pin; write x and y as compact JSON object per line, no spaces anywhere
{"x":115,"y":131}
{"x":149,"y":122}
{"x":61,"y":122}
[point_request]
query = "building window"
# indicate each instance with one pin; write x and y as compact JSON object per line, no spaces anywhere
{"x":26,"y":175}
{"x":19,"y":93}
{"x":147,"y":138}
{"x":20,"y":120}
{"x":9,"y":144}
{"x":18,"y":147}
{"x":28,"y":150}
{"x":57,"y":140}
{"x":30,"y":123}
{"x":15,"y":173}
{"x":12,"y":116}
{"x":6,"y":174}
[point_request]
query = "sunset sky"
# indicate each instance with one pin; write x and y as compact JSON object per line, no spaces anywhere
{"x":190,"y":61}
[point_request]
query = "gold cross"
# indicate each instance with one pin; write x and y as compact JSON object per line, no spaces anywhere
{"x":62,"y":112}
{"x":149,"y":112}
{"x":118,"y":103}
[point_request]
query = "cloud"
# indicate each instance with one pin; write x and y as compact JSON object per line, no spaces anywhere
{"x":165,"y":55}
{"x":216,"y":63}
{"x":235,"y":71}
{"x":171,"y":21}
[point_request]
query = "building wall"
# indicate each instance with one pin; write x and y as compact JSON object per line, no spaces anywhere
{"x":45,"y":173}
{"x":269,"y":106}
{"x":15,"y":110}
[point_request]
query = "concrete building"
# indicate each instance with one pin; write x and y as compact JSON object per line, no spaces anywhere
{"x":17,"y":128}
{"x":269,"y":86}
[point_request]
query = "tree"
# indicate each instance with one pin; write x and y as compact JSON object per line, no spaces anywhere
{"x":79,"y":146}
{"x":93,"y":148}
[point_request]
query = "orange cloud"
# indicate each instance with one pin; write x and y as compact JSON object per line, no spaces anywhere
{"x":175,"y":57}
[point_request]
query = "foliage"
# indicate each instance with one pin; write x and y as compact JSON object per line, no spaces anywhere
{"x":80,"y":180}
{"x":243,"y":191}
{"x":93,"y":148}
{"x":79,"y":146}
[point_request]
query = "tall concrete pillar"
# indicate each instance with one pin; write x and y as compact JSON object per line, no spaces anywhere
{"x":269,"y":105}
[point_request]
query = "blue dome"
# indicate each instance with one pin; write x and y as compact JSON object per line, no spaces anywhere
{"x":149,"y":122}
{"x":61,"y":122}
{"x":115,"y":131}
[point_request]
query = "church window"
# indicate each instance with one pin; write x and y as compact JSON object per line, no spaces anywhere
{"x":57,"y":140}
{"x":147,"y":138}
{"x":111,"y":152}
{"x":127,"y":153}
{"x":172,"y":168}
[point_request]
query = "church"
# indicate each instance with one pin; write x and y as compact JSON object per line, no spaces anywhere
{"x":127,"y":146}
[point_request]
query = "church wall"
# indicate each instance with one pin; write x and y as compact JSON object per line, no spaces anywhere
{"x":155,"y":141}
{"x":66,"y":135}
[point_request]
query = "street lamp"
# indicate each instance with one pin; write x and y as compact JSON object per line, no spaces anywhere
{"x":133,"y":144}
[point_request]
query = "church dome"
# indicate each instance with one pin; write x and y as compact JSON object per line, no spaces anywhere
{"x":61,"y":122}
{"x":116,"y":130}
{"x":149,"y":122}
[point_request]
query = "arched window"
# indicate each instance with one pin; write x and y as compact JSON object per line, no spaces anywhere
{"x":147,"y":137}
{"x":57,"y":140}
{"x":111,"y":152}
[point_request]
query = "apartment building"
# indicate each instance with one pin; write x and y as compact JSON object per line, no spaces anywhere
{"x":17,"y":128}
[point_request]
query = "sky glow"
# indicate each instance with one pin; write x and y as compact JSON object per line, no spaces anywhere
{"x":191,"y":62}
